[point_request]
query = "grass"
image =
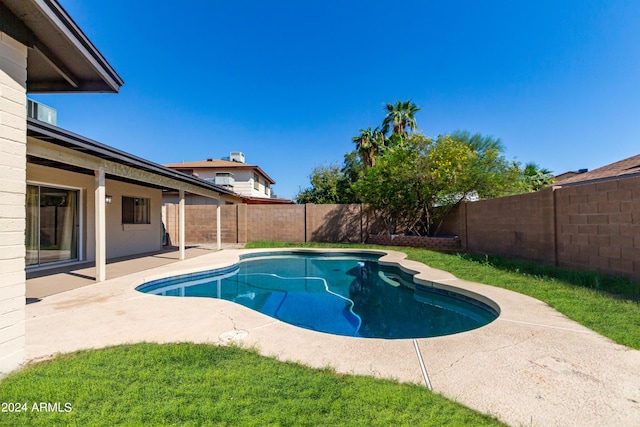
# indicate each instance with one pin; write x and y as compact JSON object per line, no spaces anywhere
{"x":608,"y":305}
{"x":198,"y":384}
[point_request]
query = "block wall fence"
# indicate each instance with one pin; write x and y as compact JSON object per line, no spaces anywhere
{"x":594,"y":226}
{"x":284,"y":223}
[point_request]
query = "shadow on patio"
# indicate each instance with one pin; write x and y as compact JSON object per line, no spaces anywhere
{"x":52,"y":281}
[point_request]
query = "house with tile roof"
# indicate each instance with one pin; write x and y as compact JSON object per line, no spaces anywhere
{"x":248,"y":181}
{"x":625,"y":168}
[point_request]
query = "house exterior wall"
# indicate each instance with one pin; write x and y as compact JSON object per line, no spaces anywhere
{"x":122,"y":239}
{"x":13,"y":141}
{"x":132,"y":239}
{"x":244,"y":183}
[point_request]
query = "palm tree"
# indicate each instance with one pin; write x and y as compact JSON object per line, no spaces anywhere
{"x":369,"y":144}
{"x":364,"y":146}
{"x":399,"y":117}
{"x":535,"y":177}
{"x":379,"y":142}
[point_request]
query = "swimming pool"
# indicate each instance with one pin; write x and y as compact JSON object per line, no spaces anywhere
{"x":348,"y":294}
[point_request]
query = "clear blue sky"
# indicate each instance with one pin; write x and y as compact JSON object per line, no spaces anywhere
{"x":289,"y":83}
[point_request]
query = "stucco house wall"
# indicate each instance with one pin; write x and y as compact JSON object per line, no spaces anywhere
{"x":245,"y":184}
{"x":122,"y":239}
{"x":13,"y":142}
{"x":129,"y":239}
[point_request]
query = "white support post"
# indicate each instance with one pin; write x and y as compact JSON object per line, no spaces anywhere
{"x":101,"y":226}
{"x":181,"y":224}
{"x":218,"y":227}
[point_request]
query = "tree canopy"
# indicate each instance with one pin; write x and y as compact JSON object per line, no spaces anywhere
{"x":414,"y":181}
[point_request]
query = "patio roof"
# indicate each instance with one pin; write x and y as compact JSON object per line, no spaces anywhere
{"x":52,"y":146}
{"x":61,"y":58}
{"x":80,"y":144}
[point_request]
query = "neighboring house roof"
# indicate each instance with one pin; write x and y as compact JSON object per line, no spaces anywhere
{"x":218,"y":164}
{"x":64,"y":138}
{"x":267,"y":201}
{"x":61,"y":58}
{"x":565,"y":176}
{"x":621,"y":169}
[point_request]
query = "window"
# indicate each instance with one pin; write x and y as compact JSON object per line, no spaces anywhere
{"x":135,"y":210}
{"x":256,"y":182}
{"x":266,"y":188}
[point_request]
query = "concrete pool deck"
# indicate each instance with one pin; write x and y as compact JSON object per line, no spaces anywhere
{"x":532,"y":366}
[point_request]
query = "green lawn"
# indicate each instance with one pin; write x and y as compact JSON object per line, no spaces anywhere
{"x":608,"y":305}
{"x":198,"y":384}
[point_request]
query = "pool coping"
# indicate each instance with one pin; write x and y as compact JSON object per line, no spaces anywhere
{"x":530,"y":366}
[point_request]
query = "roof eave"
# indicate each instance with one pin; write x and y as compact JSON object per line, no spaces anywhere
{"x":56,"y":46}
{"x":59,"y":136}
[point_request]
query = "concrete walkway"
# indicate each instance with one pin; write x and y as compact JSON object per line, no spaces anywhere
{"x":532,"y":366}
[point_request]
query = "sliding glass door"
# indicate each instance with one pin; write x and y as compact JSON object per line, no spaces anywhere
{"x":52,"y":225}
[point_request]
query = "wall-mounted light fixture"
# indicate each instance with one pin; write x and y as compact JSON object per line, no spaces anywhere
{"x":108,"y":199}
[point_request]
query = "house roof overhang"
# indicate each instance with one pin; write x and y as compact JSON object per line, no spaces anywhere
{"x":220,"y":165}
{"x":77,"y":145}
{"x":625,"y":168}
{"x":60,"y":58}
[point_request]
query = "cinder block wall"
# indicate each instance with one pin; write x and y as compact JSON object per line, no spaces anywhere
{"x":200,"y":223}
{"x":284,"y":223}
{"x":592,"y":226}
{"x":13,"y":160}
{"x":589,"y":226}
{"x":520,"y":226}
{"x":599,"y":226}
{"x":335,"y":223}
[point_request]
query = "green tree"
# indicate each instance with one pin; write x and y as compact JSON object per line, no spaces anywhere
{"x":394,"y":187}
{"x":415,"y":185}
{"x":328,"y":185}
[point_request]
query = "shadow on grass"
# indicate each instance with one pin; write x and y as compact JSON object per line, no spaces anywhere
{"x":615,"y":286}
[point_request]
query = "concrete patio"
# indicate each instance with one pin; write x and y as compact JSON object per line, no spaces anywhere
{"x":532,"y":366}
{"x":48,"y":282}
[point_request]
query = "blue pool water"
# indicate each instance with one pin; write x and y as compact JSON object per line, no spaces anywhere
{"x":343,"y":294}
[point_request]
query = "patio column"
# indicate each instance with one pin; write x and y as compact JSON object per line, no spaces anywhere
{"x":101,"y":226}
{"x":181,"y":224}
{"x":218,"y":227}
